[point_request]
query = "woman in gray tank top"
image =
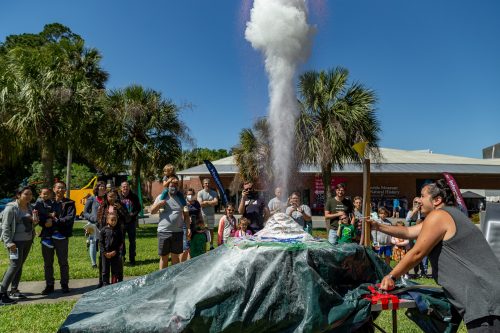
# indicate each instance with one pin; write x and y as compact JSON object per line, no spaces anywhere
{"x":462,"y":261}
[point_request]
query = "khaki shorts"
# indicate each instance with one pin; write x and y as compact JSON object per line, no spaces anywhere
{"x":209,"y":221}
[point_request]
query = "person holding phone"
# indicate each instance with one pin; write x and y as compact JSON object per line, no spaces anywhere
{"x":18,"y":230}
{"x":300,"y":213}
{"x":253,"y":207}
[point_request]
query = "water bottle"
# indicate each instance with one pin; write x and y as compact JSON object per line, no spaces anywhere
{"x":35,"y":216}
{"x":14,"y":254}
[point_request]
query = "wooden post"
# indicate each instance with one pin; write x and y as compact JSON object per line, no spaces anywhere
{"x":365,"y":239}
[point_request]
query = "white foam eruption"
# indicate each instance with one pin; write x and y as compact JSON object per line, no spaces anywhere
{"x":279,"y":29}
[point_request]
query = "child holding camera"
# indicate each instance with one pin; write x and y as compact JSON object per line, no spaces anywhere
{"x":346,"y":231}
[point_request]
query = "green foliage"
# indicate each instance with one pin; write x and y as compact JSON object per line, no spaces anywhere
{"x":334,"y":116}
{"x":142,"y":128}
{"x":196,"y":156}
{"x":80,"y":174}
{"x":50,"y":83}
{"x":37,"y":178}
{"x":253,"y":153}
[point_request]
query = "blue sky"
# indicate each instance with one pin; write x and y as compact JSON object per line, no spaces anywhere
{"x":435,"y":65}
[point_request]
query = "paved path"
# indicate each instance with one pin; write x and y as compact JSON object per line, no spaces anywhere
{"x":78,"y":287}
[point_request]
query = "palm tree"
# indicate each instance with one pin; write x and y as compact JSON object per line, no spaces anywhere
{"x":253,"y":153}
{"x":47,"y":92}
{"x":334,"y":115}
{"x":147,"y":129}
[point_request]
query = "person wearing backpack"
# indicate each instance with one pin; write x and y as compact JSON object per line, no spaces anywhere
{"x":17,"y":233}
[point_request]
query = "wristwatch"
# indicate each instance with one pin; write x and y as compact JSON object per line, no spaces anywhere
{"x":392,"y":277}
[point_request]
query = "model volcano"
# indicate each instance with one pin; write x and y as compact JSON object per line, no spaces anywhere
{"x":280,"y":280}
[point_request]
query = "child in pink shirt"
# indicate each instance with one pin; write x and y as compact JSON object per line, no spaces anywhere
{"x":243,"y":228}
{"x":227,"y":225}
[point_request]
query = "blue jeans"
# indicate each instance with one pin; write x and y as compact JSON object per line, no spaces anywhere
{"x":332,"y":236}
{"x":422,"y":266}
{"x":92,"y":250}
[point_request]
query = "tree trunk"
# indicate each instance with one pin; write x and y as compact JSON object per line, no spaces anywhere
{"x":136,"y":169}
{"x":326,"y":174}
{"x":68,"y":172}
{"x":47,"y":156}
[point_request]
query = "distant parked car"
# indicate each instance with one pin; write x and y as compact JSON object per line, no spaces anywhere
{"x":3,"y":202}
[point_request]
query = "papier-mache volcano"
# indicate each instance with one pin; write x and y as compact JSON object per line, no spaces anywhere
{"x":279,"y":280}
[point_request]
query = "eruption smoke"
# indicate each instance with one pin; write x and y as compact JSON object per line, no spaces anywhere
{"x":279,"y":29}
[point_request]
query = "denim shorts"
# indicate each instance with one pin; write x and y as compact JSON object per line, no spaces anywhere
{"x":385,"y":250}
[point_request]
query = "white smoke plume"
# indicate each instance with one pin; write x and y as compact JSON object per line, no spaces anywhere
{"x":279,"y":29}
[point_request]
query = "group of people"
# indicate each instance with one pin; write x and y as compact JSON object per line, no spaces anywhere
{"x":462,"y":261}
{"x":56,"y":215}
{"x":344,"y":220}
{"x":111,"y":215}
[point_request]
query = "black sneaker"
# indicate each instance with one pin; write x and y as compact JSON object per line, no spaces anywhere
{"x":15,"y":294}
{"x":6,"y":300}
{"x":65,"y":289}
{"x":48,"y":290}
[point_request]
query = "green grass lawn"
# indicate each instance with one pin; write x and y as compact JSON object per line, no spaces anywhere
{"x":34,"y":318}
{"x":48,"y":317}
{"x":79,"y":260}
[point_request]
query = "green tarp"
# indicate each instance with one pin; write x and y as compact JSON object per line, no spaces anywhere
{"x":248,"y":285}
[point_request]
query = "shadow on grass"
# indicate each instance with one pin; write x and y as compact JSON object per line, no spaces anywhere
{"x":57,"y":294}
{"x":148,"y":232}
{"x":142,"y":262}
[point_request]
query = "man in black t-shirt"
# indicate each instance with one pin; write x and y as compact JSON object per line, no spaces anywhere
{"x":334,"y":208}
{"x":131,"y":202}
{"x":253,"y":208}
